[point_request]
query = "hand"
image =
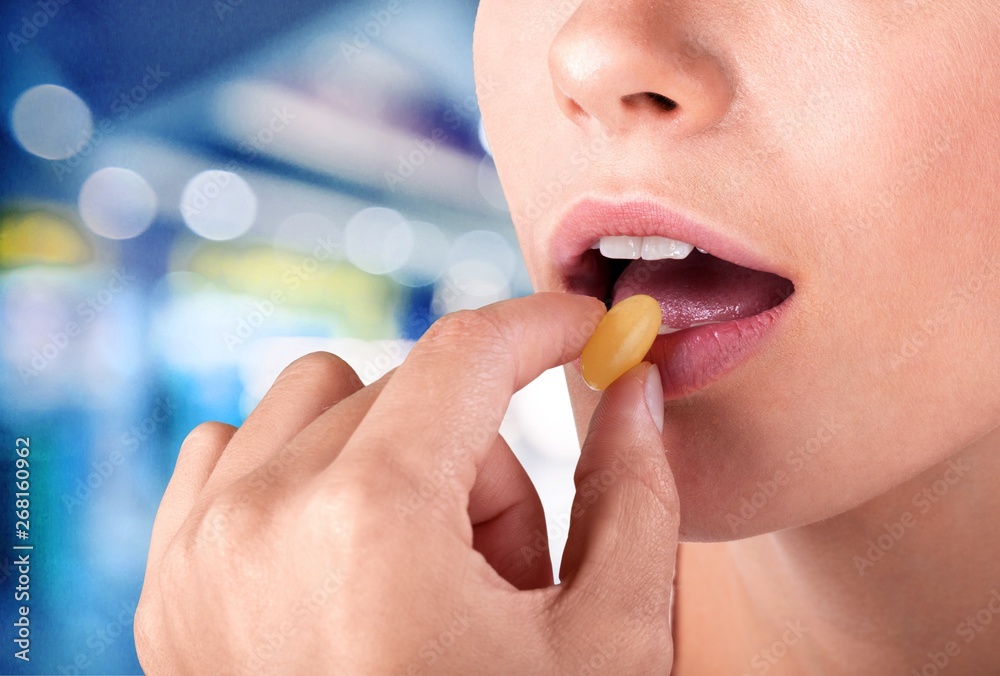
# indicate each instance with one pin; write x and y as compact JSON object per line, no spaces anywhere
{"x":389,"y":529}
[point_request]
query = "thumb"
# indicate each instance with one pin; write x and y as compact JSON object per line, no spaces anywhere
{"x":618,"y":567}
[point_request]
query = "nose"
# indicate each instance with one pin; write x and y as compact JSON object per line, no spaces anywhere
{"x":616,"y":66}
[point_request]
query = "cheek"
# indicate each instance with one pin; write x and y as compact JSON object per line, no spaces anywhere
{"x":535,"y":165}
{"x":889,"y":366}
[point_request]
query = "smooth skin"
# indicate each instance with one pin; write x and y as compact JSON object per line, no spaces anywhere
{"x":853,"y":141}
{"x":854,"y":144}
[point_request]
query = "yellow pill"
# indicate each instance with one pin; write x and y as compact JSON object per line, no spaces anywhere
{"x":620,"y":341}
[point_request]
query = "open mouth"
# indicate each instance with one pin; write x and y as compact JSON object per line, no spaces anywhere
{"x":717,"y":299}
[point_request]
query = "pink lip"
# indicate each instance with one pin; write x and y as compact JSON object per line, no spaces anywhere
{"x":587,"y":220}
{"x":693,"y":358}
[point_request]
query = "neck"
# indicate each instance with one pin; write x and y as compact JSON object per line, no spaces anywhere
{"x":908,"y":583}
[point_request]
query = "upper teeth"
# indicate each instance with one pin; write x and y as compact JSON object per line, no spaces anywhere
{"x":647,"y":248}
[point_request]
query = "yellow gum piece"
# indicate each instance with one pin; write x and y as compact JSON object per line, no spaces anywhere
{"x":620,"y":341}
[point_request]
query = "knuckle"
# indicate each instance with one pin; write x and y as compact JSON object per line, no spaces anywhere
{"x":223,"y":523}
{"x":209,"y":434}
{"x":322,"y":368}
{"x":343,"y":502}
{"x":467,"y":328}
{"x":354,"y":511}
{"x":234,"y":540}
{"x":146,"y":629}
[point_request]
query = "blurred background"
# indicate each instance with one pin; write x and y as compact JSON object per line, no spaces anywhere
{"x":193,"y":194}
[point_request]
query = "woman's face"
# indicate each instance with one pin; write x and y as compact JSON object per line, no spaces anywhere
{"x":849,"y":147}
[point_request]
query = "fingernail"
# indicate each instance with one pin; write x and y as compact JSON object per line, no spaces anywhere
{"x":654,"y":395}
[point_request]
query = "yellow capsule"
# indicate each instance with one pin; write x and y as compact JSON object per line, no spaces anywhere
{"x":621,"y":340}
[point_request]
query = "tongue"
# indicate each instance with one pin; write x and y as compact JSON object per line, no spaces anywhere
{"x":702,"y":288}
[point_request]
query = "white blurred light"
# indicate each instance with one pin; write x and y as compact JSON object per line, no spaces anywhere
{"x":468,"y":285}
{"x":178,"y":283}
{"x":489,"y":185}
{"x":486,"y":246}
{"x":304,"y":230}
{"x":428,"y":256}
{"x":263,"y":360}
{"x":51,"y":122}
{"x":378,"y":240}
{"x":117,"y":203}
{"x":189,"y":332}
{"x":218,"y":205}
{"x":483,"y":141}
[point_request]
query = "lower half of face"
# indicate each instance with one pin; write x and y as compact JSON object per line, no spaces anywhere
{"x":837,"y":163}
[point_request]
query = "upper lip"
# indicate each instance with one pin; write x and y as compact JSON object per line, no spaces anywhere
{"x":589,"y":219}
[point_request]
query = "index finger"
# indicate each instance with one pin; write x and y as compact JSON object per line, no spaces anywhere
{"x":442,"y":410}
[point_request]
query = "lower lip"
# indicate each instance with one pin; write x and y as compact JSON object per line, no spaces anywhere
{"x":694,"y":358}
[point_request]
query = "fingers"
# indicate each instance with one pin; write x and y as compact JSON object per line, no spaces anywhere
{"x":617,"y":569}
{"x":305,"y":389}
{"x":444,"y":405}
{"x":195,"y":461}
{"x":508,"y":521}
{"x":319,"y":444}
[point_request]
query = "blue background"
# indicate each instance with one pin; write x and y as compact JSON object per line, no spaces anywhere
{"x":365,"y":205}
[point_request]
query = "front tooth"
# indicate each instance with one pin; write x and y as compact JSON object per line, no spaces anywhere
{"x":666,"y":330}
{"x":658,"y":248}
{"x":621,"y":247}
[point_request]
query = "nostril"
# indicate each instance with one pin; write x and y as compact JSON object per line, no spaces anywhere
{"x":661,"y":101}
{"x":658,"y":101}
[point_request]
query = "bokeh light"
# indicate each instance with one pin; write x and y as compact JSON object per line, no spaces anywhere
{"x":469,"y":285}
{"x":117,"y":203}
{"x":378,"y":240}
{"x":218,"y":205}
{"x":489,"y":185}
{"x":51,"y":122}
{"x":428,"y":255}
{"x":485,"y":246}
{"x":305,"y":230}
